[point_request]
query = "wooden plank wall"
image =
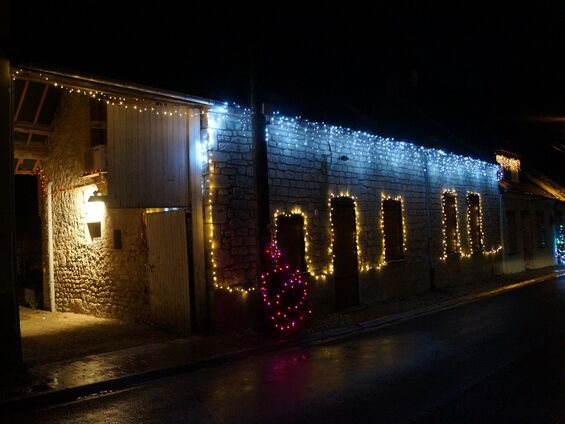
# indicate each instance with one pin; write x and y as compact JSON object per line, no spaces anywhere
{"x":168,"y":276}
{"x":148,"y":158}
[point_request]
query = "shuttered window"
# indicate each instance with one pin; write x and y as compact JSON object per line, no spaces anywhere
{"x":474,"y":222}
{"x":392,"y":228}
{"x":451,"y":235}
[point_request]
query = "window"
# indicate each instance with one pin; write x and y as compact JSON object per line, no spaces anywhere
{"x":450,"y":230}
{"x":474,"y":222}
{"x":512,"y":232}
{"x":98,"y":119}
{"x":541,"y":229}
{"x":117,"y":239}
{"x":290,"y":240}
{"x":94,"y":230}
{"x":392,"y":229}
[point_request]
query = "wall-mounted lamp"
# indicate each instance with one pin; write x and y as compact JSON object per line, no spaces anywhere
{"x":97,"y":197}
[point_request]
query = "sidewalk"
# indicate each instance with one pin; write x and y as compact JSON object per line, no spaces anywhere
{"x":68,"y":380}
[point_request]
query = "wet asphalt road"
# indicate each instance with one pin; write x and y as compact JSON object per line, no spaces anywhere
{"x":500,"y":359}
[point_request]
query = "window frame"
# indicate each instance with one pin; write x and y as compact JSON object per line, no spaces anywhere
{"x":475,"y":250}
{"x":402,"y":250}
{"x":444,"y":225}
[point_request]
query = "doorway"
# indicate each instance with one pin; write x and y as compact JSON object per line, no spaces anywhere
{"x":345,"y":261}
{"x":29,"y":270}
{"x":527,"y":236}
{"x":169,"y":290}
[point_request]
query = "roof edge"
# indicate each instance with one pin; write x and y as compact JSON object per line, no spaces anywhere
{"x":120,"y":85}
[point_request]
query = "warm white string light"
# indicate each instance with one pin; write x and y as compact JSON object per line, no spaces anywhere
{"x":479,"y":248}
{"x":509,"y":163}
{"x":444,"y":228}
{"x":384,"y":197}
{"x":308,"y":259}
{"x":112,"y":100}
{"x":357,"y":231}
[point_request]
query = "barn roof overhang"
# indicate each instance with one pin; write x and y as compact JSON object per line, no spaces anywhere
{"x":116,"y":87}
{"x":36,"y":97}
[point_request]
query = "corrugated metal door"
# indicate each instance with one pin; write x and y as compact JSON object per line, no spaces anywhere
{"x":168,"y":275}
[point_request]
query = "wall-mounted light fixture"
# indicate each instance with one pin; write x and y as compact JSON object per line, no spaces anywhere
{"x":97,"y":197}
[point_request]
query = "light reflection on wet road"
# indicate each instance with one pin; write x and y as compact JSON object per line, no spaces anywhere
{"x":416,"y":370}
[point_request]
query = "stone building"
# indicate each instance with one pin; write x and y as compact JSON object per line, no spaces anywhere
{"x":421,"y":218}
{"x":149,"y":197}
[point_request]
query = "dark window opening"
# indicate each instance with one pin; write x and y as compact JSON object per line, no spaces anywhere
{"x":474,"y":222}
{"x":95,"y":230}
{"x":512,"y":232}
{"x":450,"y":223}
{"x":392,"y":228}
{"x":290,"y":240}
{"x":98,"y":123}
{"x":345,"y":261}
{"x":117,"y":239}
{"x":541,"y":229}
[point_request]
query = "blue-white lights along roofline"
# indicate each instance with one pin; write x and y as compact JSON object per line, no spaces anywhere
{"x":366,"y":145}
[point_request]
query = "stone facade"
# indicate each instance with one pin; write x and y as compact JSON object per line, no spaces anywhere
{"x":91,"y":276}
{"x":308,"y":163}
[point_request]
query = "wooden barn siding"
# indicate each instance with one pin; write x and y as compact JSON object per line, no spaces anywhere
{"x":169,"y":297}
{"x":147,"y":159}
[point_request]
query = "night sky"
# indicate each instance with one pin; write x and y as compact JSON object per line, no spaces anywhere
{"x":468,"y":79}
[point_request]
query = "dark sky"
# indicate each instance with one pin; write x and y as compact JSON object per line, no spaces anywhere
{"x":466,"y":78}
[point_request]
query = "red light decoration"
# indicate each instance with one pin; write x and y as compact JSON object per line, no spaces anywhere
{"x":285,"y":294}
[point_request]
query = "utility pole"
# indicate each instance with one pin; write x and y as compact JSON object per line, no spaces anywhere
{"x":10,"y":353}
{"x":260,"y":167}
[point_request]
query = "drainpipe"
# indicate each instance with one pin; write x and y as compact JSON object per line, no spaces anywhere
{"x":429,"y":227}
{"x":50,"y":246}
{"x":260,"y":172}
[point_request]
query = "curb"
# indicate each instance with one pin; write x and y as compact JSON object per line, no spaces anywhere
{"x":103,"y":387}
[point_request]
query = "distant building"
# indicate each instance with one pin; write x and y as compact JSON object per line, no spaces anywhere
{"x":532,"y":212}
{"x":153,"y":206}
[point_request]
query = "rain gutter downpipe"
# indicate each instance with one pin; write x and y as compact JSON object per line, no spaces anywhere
{"x":50,"y":268}
{"x":429,"y":224}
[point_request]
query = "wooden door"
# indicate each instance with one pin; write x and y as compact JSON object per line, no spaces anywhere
{"x":527,"y":236}
{"x":346,"y":272}
{"x":169,"y":297}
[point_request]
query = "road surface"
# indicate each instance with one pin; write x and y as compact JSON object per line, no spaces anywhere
{"x":500,"y":359}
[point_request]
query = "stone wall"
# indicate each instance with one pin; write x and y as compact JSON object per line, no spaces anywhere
{"x":308,"y":163}
{"x":91,"y":276}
